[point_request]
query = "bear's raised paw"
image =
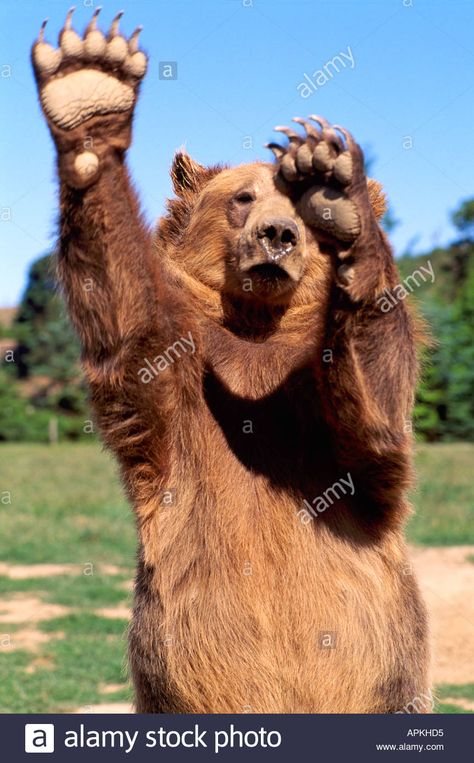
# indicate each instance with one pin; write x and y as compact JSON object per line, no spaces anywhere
{"x":91,"y":78}
{"x":327,"y":165}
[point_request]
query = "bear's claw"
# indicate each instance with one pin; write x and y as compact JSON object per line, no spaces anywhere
{"x":320,"y":150}
{"x":114,"y":27}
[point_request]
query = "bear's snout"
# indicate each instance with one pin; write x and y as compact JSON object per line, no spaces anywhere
{"x":277,"y":236}
{"x":272,"y":254}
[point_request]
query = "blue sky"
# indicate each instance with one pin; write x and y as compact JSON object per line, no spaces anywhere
{"x":239,"y":66}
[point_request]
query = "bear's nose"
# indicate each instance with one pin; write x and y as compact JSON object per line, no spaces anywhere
{"x":278,"y":236}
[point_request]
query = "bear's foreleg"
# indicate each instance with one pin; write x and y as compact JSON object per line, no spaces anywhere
{"x":368,"y":369}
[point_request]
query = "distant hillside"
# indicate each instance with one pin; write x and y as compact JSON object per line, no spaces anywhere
{"x":451,"y":267}
{"x":445,"y":399}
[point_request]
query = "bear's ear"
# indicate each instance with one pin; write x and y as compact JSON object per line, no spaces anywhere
{"x":377,"y":197}
{"x":186,"y":174}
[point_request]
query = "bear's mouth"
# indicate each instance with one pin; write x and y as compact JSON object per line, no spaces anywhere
{"x":269,"y":272}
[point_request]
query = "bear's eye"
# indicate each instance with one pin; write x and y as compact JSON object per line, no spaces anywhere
{"x":244,"y":197}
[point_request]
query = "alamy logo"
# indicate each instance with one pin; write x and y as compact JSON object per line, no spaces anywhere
{"x":391,"y":297}
{"x":172,"y":353}
{"x":39,"y":737}
{"x":320,"y":77}
{"x":320,"y":503}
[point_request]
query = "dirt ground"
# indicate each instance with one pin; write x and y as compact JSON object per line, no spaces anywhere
{"x":24,"y":571}
{"x":446,"y":578}
{"x":445,"y":575}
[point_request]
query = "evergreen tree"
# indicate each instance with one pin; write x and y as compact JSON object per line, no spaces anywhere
{"x":47,"y":346}
{"x":460,"y":391}
{"x":463,"y":218}
{"x":46,"y":343}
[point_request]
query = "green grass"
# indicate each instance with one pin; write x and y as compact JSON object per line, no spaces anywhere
{"x":456,"y":691}
{"x":67,"y":507}
{"x":442,"y":707}
{"x":444,"y":496}
{"x":90,"y":654}
{"x":71,"y":590}
{"x":453,"y":691}
{"x":84,"y":623}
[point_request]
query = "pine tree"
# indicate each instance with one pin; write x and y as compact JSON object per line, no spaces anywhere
{"x":47,"y":346}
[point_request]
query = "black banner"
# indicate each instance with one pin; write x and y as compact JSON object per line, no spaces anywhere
{"x":287,"y":738}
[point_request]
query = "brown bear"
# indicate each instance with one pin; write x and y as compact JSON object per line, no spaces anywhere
{"x":257,"y":398}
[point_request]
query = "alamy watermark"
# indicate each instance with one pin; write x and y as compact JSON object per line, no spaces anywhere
{"x":320,"y":77}
{"x":153,"y":368}
{"x":391,"y":297}
{"x":421,"y":704}
{"x":322,"y":502}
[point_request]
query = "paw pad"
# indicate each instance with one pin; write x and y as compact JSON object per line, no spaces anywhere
{"x":86,"y":165}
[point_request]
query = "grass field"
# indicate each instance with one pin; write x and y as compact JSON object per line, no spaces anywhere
{"x":66,"y":508}
{"x":444,"y":495}
{"x":62,"y":505}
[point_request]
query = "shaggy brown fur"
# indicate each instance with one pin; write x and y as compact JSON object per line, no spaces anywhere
{"x":239,"y":603}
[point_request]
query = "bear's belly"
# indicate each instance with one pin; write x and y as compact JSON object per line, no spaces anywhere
{"x":243,"y":604}
{"x":250,"y":610}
